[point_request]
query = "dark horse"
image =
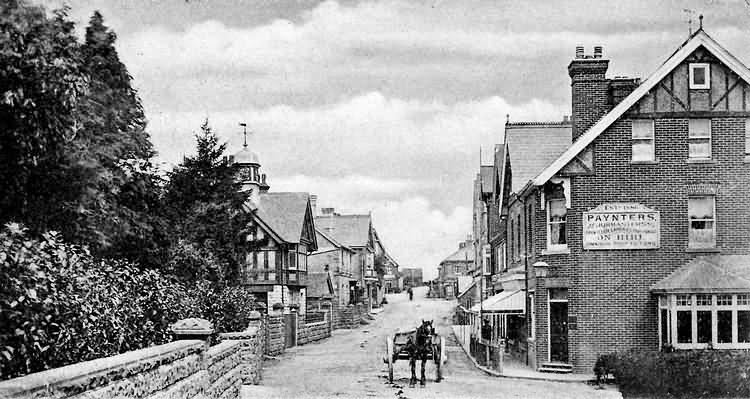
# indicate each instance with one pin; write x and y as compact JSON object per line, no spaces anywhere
{"x":420,"y":346}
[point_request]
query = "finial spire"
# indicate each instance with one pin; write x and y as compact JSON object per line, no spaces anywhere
{"x":700,"y":21}
{"x":244,"y":132}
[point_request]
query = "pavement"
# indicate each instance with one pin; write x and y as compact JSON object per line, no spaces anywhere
{"x":349,"y":364}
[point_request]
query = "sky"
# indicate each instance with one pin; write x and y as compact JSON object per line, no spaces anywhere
{"x":382,"y":106}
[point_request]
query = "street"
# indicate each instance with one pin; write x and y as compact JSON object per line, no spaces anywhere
{"x":349,"y":364}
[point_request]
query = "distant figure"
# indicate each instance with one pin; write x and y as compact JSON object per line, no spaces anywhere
{"x":411,"y":293}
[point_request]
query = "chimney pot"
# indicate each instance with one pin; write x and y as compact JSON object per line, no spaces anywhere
{"x":579,"y":51}
{"x":597,"y":51}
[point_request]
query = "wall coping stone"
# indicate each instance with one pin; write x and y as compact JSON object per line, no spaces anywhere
{"x":221,"y":350}
{"x":192,"y":326}
{"x":82,"y":373}
{"x":251,"y":332}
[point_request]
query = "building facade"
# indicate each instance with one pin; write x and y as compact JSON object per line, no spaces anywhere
{"x":459,"y":264}
{"x":638,"y":235}
{"x":355,"y":232}
{"x":277,"y":240}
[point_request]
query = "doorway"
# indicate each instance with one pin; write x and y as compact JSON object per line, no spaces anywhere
{"x":290,"y":329}
{"x":558,"y":325}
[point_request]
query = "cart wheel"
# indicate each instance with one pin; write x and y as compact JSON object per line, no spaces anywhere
{"x":389,"y":356}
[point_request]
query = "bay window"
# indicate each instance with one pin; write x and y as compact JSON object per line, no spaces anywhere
{"x":695,"y":321}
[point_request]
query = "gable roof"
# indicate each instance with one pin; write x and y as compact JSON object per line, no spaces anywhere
{"x":284,"y":213}
{"x":498,"y":167}
{"x":327,"y":237}
{"x":716,"y":273}
{"x":319,"y":285}
{"x":464,"y":254}
{"x":699,"y":38}
{"x":485,"y":176}
{"x":349,"y":230}
{"x":532,"y":146}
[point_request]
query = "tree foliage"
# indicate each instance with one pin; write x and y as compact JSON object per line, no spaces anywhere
{"x":111,"y":254}
{"x":41,"y":81}
{"x":203,"y":204}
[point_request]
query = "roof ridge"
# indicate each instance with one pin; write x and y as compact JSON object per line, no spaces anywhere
{"x":700,"y":38}
{"x":540,"y":123}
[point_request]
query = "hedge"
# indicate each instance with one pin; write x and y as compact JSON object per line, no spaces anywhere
{"x":684,"y":373}
{"x":60,"y":305}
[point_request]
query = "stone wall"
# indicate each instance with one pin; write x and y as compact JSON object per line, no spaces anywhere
{"x":252,"y":348}
{"x":315,"y":331}
{"x":275,"y":334}
{"x":350,"y":316}
{"x":183,"y":369}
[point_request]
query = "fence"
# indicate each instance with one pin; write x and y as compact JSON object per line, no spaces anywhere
{"x":485,"y":340}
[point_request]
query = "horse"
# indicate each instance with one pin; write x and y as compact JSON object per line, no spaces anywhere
{"x":420,"y":346}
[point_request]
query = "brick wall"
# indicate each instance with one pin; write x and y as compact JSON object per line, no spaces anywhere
{"x":609,"y":289}
{"x":180,"y":369}
{"x":590,"y":93}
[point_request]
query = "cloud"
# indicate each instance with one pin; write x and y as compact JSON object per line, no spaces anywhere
{"x":404,"y":49}
{"x":410,"y":162}
{"x":390,"y":147}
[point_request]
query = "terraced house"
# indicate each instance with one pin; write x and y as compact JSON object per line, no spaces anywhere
{"x":637,"y":236}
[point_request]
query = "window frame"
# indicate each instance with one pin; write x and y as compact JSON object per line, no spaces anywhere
{"x":698,"y":65}
{"x":747,"y":137}
{"x":672,"y":306}
{"x":634,"y":140}
{"x":548,"y":222}
{"x":692,"y":245}
{"x":701,"y":138}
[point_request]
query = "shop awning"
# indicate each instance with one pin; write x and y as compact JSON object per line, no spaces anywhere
{"x":717,"y":273}
{"x":504,"y":302}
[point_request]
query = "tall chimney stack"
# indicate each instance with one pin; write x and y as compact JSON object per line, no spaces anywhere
{"x":590,"y":90}
{"x":314,"y":204}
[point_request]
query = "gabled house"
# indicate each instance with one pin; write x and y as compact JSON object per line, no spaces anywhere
{"x":456,"y":266}
{"x":277,"y":240}
{"x":336,"y":260}
{"x":636,"y":236}
{"x":356,"y":233}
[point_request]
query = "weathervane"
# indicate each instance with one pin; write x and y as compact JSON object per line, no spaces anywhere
{"x":244,"y":132}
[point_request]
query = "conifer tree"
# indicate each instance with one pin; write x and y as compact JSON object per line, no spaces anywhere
{"x":203,"y":205}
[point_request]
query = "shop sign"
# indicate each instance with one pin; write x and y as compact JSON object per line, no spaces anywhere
{"x":621,"y":226}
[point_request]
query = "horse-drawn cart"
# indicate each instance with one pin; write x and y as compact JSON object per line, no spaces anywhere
{"x":421,"y":343}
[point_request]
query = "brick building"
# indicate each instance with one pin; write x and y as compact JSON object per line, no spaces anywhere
{"x":459,"y":263}
{"x":638,"y":235}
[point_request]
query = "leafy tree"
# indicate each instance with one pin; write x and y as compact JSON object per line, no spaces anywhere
{"x":74,"y":154}
{"x":41,"y":80}
{"x":203,"y":205}
{"x":112,"y":154}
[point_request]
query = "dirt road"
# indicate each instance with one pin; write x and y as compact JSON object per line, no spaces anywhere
{"x":349,"y":365}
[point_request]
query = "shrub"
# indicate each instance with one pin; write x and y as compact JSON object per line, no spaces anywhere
{"x":689,"y":373}
{"x":60,"y":305}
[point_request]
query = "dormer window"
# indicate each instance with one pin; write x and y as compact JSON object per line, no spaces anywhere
{"x":700,"y":76}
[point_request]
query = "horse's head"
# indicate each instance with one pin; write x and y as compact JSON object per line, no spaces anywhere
{"x":426,"y":329}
